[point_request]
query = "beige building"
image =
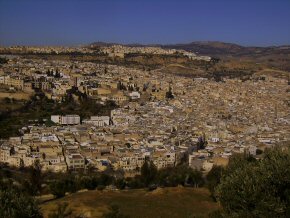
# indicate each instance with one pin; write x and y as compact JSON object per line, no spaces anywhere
{"x":66,"y":120}
{"x":75,"y":161}
{"x":14,"y":82}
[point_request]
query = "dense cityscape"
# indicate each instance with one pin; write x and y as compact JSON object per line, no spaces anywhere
{"x":144,"y":109}
{"x":155,"y":118}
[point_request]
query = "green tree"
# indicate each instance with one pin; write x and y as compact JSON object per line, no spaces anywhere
{"x":257,"y":188}
{"x":35,"y":178}
{"x":71,"y":184}
{"x":213,"y":178}
{"x":194,"y":178}
{"x":180,"y":175}
{"x":3,"y":61}
{"x":15,"y":204}
{"x":169,"y":94}
{"x":148,"y":173}
{"x":89,"y":183}
{"x":120,"y":183}
{"x":105,"y":179}
{"x":58,"y":188}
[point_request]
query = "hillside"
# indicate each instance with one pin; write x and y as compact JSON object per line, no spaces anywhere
{"x":209,"y":48}
{"x":270,"y":57}
{"x":214,"y":48}
{"x":166,"y":202}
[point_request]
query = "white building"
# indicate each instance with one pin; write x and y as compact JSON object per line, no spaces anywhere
{"x":66,"y":120}
{"x":98,"y":121}
{"x":134,"y":95}
{"x":75,"y":161}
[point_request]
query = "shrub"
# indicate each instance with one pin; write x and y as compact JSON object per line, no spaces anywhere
{"x":15,"y":204}
{"x":257,"y":188}
{"x":58,"y":188}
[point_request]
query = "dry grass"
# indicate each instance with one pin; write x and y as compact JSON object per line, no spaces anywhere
{"x":273,"y":73}
{"x":166,"y":202}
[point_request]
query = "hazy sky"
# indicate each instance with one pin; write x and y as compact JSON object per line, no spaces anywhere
{"x":74,"y":22}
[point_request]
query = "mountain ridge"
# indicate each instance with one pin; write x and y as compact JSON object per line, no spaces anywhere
{"x":214,"y":48}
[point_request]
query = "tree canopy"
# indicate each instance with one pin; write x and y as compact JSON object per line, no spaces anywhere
{"x":257,"y":188}
{"x":15,"y":204}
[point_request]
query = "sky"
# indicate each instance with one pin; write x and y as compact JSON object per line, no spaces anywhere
{"x":79,"y":22}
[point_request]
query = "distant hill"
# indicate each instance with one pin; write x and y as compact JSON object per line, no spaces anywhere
{"x":209,"y":48}
{"x":215,"y":48}
{"x":276,"y":57}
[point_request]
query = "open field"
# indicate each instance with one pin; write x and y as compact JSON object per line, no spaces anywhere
{"x":165,"y":202}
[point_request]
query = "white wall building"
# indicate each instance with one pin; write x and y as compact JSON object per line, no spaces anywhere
{"x":66,"y":120}
{"x":98,"y":121}
{"x":134,"y":95}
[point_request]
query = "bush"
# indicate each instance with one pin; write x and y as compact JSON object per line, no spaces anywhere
{"x":71,"y":185}
{"x":89,"y":183}
{"x":259,"y":151}
{"x":105,"y":179}
{"x":15,"y":204}
{"x":58,"y":188}
{"x":120,"y":183}
{"x":135,"y":182}
{"x":257,"y":188}
{"x":62,"y":211}
{"x":179,"y":175}
{"x":148,"y":173}
{"x":213,"y":178}
{"x":114,"y":212}
{"x":101,"y":187}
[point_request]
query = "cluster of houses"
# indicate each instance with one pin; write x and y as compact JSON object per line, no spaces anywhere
{"x":109,"y":50}
{"x":121,"y":51}
{"x":202,"y":122}
{"x":44,"y":50}
{"x":56,"y":78}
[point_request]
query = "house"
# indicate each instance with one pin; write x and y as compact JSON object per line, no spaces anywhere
{"x":200,"y":162}
{"x":14,"y":82}
{"x":119,"y":97}
{"x":163,"y":159}
{"x":98,"y":121}
{"x":130,"y":163}
{"x":75,"y":161}
{"x":66,"y":120}
{"x":4,"y":154}
{"x":134,"y":95}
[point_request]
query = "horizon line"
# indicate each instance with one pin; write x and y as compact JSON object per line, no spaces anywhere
{"x":141,"y":44}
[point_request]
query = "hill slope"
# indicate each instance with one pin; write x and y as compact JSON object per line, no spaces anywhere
{"x":272,"y":57}
{"x":220,"y":48}
{"x":166,"y":202}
